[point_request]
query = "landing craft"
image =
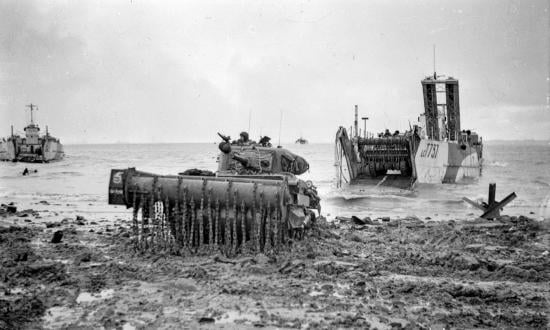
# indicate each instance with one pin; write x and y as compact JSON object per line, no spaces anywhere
{"x":301,"y":140}
{"x":32,"y":148}
{"x":436,"y":150}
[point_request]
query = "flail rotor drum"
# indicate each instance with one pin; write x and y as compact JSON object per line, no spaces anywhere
{"x":201,"y":213}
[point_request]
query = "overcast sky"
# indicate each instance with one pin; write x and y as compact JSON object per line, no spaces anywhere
{"x":180,"y":71}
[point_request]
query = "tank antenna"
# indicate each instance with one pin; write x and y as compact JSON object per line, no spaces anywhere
{"x":435,"y":75}
{"x":249,"y":116}
{"x":280,"y":127}
{"x":32,"y":107}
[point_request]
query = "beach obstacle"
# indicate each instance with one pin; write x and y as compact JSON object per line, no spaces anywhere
{"x":492,"y":208}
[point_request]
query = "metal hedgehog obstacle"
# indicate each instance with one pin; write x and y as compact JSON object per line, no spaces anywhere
{"x":253,"y":203}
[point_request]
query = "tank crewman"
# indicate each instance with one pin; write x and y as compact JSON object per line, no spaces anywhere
{"x":264,"y":141}
{"x":243,"y":140}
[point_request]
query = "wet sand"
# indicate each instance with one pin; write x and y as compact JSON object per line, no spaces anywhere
{"x":401,"y":273}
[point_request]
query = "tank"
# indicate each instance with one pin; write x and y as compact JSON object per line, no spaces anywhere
{"x":253,"y":202}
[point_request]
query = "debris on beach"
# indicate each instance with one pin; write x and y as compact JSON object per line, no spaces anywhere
{"x":57,"y":237}
{"x":8,"y":208}
{"x":418,"y":274}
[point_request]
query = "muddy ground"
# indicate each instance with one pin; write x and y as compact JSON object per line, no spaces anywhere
{"x":401,"y":273}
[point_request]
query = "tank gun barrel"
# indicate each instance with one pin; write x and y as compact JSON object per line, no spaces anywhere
{"x":226,"y":138}
{"x":244,"y":161}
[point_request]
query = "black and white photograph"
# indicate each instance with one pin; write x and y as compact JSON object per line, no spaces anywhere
{"x":274,"y":164}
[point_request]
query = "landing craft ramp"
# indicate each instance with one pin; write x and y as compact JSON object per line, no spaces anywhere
{"x":389,"y":180}
{"x":383,"y":162}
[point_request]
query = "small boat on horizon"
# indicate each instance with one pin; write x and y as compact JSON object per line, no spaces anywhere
{"x":301,"y":140}
{"x":32,"y":148}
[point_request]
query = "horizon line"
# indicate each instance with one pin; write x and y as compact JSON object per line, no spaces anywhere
{"x":282,"y":142}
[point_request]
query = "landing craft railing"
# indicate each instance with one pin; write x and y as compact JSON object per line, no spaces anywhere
{"x":198,"y":215}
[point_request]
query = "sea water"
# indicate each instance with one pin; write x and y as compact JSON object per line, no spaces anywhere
{"x":78,"y":184}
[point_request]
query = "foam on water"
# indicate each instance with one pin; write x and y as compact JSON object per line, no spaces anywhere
{"x":82,"y":178}
{"x":495,"y":163}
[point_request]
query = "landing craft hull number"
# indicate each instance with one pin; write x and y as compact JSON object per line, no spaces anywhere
{"x":430,"y":151}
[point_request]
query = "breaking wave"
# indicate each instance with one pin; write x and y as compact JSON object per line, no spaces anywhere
{"x":496,"y":164}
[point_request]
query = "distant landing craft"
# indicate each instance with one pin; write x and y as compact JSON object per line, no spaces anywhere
{"x":31,"y":148}
{"x":434,"y":151}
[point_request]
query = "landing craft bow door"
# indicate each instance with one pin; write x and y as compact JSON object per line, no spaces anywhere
{"x":453,"y":109}
{"x":430,"y":108}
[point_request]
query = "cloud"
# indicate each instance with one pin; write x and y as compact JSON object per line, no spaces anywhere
{"x":509,"y":122}
{"x":141,"y":71}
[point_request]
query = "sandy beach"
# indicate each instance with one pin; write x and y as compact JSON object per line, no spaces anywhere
{"x":382,"y":274}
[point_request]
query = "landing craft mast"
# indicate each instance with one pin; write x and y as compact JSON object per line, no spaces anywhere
{"x":365,"y":126}
{"x":32,"y":107}
{"x":355,"y":122}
